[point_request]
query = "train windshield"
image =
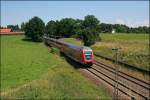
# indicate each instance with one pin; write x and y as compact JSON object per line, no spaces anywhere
{"x":88,"y":55}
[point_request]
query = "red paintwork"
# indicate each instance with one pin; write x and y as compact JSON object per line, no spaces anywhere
{"x":93,"y":60}
{"x":84,"y":60}
{"x":5,"y":30}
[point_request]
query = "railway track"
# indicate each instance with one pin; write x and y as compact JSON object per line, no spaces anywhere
{"x":128,"y":85}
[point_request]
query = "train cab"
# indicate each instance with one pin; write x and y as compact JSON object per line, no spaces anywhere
{"x":87,"y":56}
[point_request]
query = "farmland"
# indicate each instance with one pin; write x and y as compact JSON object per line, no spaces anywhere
{"x":30,"y":71}
{"x":134,"y":47}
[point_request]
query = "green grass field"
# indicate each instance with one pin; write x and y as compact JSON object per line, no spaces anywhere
{"x":134,"y":47}
{"x":30,"y":71}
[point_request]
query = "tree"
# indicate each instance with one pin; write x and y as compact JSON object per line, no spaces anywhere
{"x":22,"y":26}
{"x":78,"y":28}
{"x":87,"y":37}
{"x":67,"y":27}
{"x":35,"y":29}
{"x":106,"y":28}
{"x":51,"y":28}
{"x":57,"y":23}
{"x":13,"y":27}
{"x":90,"y":31}
{"x":90,"y":21}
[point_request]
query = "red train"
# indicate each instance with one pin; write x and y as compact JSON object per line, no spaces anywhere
{"x":80,"y":54}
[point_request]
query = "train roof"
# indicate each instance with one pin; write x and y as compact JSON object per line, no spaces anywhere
{"x":70,"y":45}
{"x":75,"y":46}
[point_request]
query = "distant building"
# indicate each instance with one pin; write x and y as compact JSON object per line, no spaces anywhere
{"x":5,"y":30}
{"x":113,"y":31}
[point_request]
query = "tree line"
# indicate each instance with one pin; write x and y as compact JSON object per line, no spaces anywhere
{"x":88,"y":29}
{"x":119,"y":28}
{"x":76,"y":24}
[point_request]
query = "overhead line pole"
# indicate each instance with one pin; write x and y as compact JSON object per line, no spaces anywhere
{"x":116,"y":73}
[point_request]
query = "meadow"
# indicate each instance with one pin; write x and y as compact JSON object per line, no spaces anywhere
{"x":134,"y":48}
{"x":30,"y":71}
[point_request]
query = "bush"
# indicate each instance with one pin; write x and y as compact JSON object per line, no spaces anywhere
{"x":35,"y":29}
{"x":54,"y":50}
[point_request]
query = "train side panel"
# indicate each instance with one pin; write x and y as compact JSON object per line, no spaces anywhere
{"x":80,"y":54}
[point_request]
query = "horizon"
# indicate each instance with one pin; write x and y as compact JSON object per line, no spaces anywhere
{"x":129,"y":13}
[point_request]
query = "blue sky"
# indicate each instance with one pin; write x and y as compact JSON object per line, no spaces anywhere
{"x":131,"y":13}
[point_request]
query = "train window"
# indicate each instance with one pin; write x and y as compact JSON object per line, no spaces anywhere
{"x":88,"y":55}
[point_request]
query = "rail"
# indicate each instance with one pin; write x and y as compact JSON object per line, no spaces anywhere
{"x":129,"y":85}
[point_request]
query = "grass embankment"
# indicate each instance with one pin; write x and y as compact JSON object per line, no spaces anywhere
{"x":135,"y":48}
{"x":30,"y":71}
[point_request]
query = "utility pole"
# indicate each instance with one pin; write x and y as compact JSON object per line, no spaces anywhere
{"x":116,"y":73}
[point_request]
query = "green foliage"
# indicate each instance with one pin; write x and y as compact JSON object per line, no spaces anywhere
{"x":105,"y":27}
{"x":90,"y":32}
{"x":35,"y":29}
{"x":88,"y":37}
{"x":67,"y":27}
{"x":54,"y":50}
{"x":119,"y":28}
{"x":23,"y":26}
{"x":140,"y":29}
{"x":13,"y":27}
{"x":78,"y":28}
{"x":51,"y":28}
{"x":90,"y":22}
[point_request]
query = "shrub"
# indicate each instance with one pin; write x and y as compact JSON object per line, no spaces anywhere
{"x":54,"y":50}
{"x":35,"y":29}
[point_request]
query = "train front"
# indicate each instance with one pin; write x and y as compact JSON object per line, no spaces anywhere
{"x":87,"y":56}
